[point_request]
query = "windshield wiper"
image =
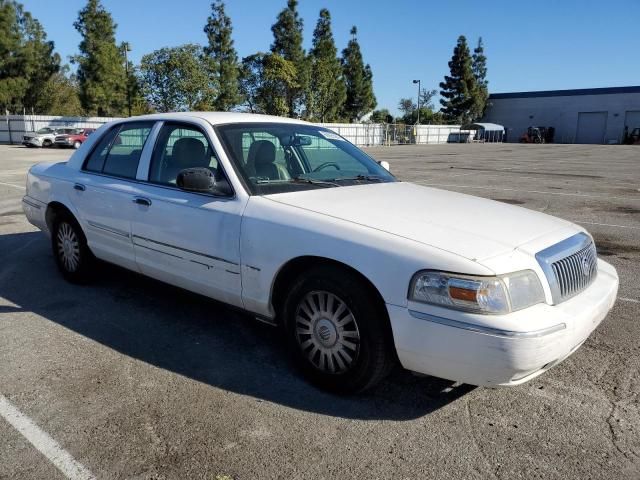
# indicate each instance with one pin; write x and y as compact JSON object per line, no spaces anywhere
{"x":368,"y":178}
{"x":324,"y":183}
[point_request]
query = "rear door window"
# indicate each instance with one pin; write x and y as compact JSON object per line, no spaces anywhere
{"x":118,"y":152}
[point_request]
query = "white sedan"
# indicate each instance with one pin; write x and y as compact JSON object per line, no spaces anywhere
{"x":290,"y":222}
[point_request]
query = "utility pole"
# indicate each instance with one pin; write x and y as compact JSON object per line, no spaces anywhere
{"x":418,"y":82}
{"x":127,"y":48}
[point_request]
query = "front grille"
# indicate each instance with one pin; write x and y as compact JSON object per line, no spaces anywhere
{"x":576,"y":272}
{"x":27,"y":138}
{"x":570,"y":266}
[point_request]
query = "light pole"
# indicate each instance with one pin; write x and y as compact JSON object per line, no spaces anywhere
{"x":127,"y":48}
{"x":418,"y":82}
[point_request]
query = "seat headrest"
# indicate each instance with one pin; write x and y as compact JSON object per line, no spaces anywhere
{"x":189,"y":151}
{"x":264,"y":152}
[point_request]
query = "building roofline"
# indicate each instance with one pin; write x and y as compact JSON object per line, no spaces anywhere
{"x":567,"y":93}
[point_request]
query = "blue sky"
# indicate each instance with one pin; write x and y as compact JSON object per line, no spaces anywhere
{"x":536,"y":45}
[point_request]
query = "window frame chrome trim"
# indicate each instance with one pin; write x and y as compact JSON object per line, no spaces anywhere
{"x":481,"y":329}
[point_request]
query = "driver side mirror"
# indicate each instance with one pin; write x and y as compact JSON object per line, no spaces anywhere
{"x":201,"y":180}
{"x":385,"y":165}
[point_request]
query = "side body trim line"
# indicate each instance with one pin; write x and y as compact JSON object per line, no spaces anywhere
{"x":115,"y":231}
{"x":184,"y":250}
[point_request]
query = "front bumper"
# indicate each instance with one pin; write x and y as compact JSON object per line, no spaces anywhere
{"x":500,"y":350}
{"x":32,"y":142}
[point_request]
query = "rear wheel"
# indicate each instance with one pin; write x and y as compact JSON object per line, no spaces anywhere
{"x":73,"y":257}
{"x":336,"y":331}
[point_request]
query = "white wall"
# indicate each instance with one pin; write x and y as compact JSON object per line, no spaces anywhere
{"x":561,"y":112}
{"x":13,"y":127}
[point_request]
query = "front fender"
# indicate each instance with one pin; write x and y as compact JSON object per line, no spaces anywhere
{"x":272,"y":234}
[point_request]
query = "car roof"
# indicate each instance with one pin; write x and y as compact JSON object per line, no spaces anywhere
{"x":219,"y":118}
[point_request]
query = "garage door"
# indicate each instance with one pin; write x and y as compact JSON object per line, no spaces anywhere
{"x":632,"y":119}
{"x":591,"y":127}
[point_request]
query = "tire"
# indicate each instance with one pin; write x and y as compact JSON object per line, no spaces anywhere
{"x":336,"y":332}
{"x":73,"y":257}
{"x":77,"y":144}
{"x":47,"y":143}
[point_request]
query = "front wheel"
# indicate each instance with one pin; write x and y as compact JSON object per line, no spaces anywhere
{"x":77,"y":144}
{"x":73,"y":257}
{"x":336,"y":331}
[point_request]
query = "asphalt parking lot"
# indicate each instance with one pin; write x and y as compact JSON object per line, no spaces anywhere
{"x":136,"y":379}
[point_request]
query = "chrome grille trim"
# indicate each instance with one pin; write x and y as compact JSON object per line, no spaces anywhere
{"x":570,"y":266}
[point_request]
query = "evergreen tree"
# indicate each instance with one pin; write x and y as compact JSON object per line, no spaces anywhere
{"x":381,"y":116}
{"x":101,"y":72}
{"x":222,"y":59}
{"x":459,"y":87}
{"x":479,"y":68}
{"x":175,"y":79}
{"x":359,"y":81}
{"x":251,"y":77}
{"x":327,"y":88}
{"x":60,"y":94}
{"x":279,"y":76}
{"x":287,"y":43}
{"x":27,"y":60}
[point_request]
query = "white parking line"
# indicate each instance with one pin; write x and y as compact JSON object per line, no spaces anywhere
{"x":631,"y":300}
{"x":12,"y":185}
{"x":43,"y":442}
{"x":606,"y":224}
{"x":529,"y":191}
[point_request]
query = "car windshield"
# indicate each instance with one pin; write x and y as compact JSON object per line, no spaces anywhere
{"x":281,"y":157}
{"x":42,"y":131}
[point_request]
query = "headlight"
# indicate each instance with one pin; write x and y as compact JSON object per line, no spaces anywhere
{"x":491,"y":295}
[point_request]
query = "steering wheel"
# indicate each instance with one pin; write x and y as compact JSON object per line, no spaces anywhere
{"x":325,"y":165}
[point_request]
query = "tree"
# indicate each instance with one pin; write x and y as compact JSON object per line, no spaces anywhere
{"x":426,"y":98}
{"x":327,"y":88}
{"x":381,"y":116}
{"x":251,"y":79}
{"x":287,"y":44}
{"x":175,"y":79}
{"x":479,"y":68}
{"x":279,"y":76}
{"x":359,"y":81}
{"x":459,"y":87}
{"x":222,"y":59}
{"x":60,"y":95}
{"x":27,"y":60}
{"x":406,"y":106}
{"x":101,"y":72}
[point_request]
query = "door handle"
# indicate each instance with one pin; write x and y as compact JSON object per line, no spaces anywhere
{"x":79,"y":187}
{"x":142,"y":201}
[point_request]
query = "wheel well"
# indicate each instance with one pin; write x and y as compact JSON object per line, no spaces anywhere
{"x":53,"y":210}
{"x":295,"y":267}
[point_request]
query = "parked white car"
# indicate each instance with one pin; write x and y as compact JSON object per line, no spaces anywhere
{"x":41,"y":138}
{"x":294,"y":224}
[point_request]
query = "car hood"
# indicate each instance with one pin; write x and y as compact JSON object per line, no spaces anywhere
{"x":473,"y":227}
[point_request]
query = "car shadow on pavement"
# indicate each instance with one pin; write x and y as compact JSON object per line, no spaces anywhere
{"x":194,"y":336}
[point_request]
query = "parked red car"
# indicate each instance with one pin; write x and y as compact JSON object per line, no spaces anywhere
{"x":73,"y":139}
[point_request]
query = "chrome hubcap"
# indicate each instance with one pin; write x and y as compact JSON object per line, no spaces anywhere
{"x":327,"y":332}
{"x":68,"y":247}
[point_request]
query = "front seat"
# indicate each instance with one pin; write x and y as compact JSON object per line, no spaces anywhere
{"x":187,"y":153}
{"x":261,"y":161}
